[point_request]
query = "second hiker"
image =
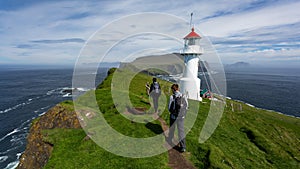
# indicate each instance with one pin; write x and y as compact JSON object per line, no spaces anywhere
{"x":178,"y":107}
{"x":155,"y":92}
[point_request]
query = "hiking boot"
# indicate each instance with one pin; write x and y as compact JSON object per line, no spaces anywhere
{"x":182,"y":150}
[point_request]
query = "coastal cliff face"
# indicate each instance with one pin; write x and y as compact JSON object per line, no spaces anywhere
{"x":37,"y":150}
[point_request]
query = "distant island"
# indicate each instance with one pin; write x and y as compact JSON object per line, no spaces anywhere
{"x":238,"y":65}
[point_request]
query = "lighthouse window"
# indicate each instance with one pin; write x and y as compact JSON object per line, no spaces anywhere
{"x":191,"y":42}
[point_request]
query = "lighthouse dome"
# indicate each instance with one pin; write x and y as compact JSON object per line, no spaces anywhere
{"x":192,"y":34}
{"x":192,"y":43}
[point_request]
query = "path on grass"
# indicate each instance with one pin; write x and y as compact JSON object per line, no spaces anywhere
{"x":177,"y":160}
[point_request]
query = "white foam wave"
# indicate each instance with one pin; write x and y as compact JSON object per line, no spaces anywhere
{"x":42,"y":113}
{"x":67,"y":88}
{"x":12,"y":132}
{"x":6,"y":110}
{"x":5,"y":152}
{"x":12,"y":165}
{"x":19,"y":155}
{"x":18,"y":143}
{"x":39,"y":112}
{"x":250,"y":105}
{"x":16,"y":106}
{"x":50,"y":92}
{"x":82,"y":89}
{"x":3,"y":158}
{"x":18,"y":138}
{"x":67,"y":91}
{"x":67,"y":95}
{"x":43,"y":108}
{"x":25,"y":123}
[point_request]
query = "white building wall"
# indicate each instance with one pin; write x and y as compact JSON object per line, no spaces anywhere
{"x":190,"y":83}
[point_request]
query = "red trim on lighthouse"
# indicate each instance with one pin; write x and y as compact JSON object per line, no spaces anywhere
{"x":193,"y":34}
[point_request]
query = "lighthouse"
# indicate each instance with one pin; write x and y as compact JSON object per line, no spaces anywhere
{"x":190,"y":83}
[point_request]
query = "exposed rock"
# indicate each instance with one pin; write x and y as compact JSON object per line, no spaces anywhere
{"x":37,"y":151}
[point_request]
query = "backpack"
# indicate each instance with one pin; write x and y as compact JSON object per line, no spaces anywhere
{"x":156,"y":88}
{"x":178,"y":106}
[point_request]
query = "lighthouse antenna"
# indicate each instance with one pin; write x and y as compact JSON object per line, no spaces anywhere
{"x":191,"y":20}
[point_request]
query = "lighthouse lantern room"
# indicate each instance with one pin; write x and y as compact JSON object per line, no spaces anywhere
{"x":190,"y":83}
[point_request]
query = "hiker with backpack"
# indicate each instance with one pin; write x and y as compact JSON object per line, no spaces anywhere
{"x":155,"y":92}
{"x":177,"y":107}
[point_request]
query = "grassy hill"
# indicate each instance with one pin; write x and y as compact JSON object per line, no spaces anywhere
{"x":246,"y":137}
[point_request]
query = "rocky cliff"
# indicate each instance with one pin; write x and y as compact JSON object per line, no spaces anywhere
{"x":37,"y":150}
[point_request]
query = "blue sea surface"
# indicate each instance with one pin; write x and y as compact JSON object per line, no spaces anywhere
{"x":275,"y":89}
{"x":28,"y":92}
{"x":25,"y":94}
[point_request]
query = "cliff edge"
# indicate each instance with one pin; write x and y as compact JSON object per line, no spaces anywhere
{"x":37,"y":150}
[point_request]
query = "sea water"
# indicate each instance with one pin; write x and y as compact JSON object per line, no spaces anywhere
{"x":275,"y":89}
{"x":28,"y":92}
{"x":25,"y":94}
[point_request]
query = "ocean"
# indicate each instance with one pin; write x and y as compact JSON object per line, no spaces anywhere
{"x":276,"y":89}
{"x":25,"y":94}
{"x":28,"y":92}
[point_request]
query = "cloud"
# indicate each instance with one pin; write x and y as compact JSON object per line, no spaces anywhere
{"x":37,"y":30}
{"x":72,"y":40}
{"x":78,"y":16}
{"x":275,"y":14}
{"x":24,"y":46}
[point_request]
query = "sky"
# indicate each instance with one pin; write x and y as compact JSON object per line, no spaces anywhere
{"x":46,"y":32}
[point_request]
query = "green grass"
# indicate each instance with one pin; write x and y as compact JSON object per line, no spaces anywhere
{"x":246,"y":138}
{"x":72,"y":150}
{"x":250,"y":138}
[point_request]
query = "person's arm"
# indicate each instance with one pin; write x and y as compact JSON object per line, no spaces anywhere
{"x":147,"y":86}
{"x":170,"y":102}
{"x":151,"y":87}
{"x":187,"y":102}
{"x":159,"y":88}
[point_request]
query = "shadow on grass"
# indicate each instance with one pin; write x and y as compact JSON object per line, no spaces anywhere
{"x":145,"y":102}
{"x":156,"y":128}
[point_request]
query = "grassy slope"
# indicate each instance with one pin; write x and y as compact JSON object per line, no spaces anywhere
{"x":72,"y":150}
{"x":249,"y":138}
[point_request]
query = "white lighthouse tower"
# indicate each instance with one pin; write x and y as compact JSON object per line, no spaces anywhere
{"x":190,"y":83}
